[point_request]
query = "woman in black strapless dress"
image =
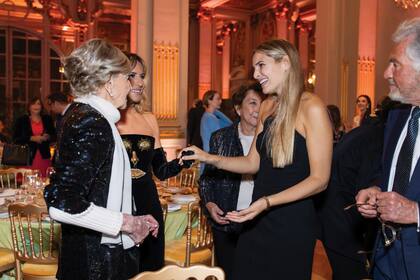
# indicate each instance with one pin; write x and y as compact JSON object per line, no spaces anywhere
{"x":291,"y":156}
{"x":140,"y":133}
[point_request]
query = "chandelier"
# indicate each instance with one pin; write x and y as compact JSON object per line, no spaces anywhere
{"x":407,"y":3}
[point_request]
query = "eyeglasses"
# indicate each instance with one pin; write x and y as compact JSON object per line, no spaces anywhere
{"x":389,"y":231}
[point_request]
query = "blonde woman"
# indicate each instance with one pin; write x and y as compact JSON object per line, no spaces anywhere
{"x":291,"y":156}
{"x":140,"y":133}
{"x":90,"y":193}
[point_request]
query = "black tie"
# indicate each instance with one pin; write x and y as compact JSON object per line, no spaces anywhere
{"x":405,"y":158}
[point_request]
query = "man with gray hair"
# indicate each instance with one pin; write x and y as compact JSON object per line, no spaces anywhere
{"x":395,"y":202}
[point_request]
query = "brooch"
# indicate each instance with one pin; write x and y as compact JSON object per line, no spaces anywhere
{"x":143,"y":144}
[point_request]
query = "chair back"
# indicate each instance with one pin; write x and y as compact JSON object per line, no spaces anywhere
{"x":13,"y":177}
{"x":201,"y":237}
{"x":33,"y":233}
{"x":187,"y":178}
{"x":174,"y":272}
{"x":164,"y":206}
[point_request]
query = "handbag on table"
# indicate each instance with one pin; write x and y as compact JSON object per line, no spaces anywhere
{"x":14,"y":154}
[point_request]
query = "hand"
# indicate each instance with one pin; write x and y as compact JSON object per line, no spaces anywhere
{"x":45,"y":137}
{"x":139,"y":227}
{"x":366,"y":199}
{"x":37,"y":139}
{"x":249,"y":213}
{"x":393,"y":207}
{"x":153,"y":224}
{"x":216,"y":213}
{"x":198,"y":155}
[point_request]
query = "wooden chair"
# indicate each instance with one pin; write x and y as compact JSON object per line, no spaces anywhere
{"x":174,"y":272}
{"x":13,"y":177}
{"x":34,"y":242}
{"x":197,"y":245}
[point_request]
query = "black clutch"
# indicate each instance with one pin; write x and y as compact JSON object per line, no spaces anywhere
{"x":14,"y":154}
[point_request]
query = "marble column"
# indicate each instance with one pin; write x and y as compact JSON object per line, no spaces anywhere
{"x":336,"y":54}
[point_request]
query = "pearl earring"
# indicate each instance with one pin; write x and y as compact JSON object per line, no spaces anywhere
{"x":109,"y":92}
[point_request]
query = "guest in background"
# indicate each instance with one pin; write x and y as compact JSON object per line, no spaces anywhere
{"x":338,"y":127}
{"x":193,"y":124}
{"x":356,"y":165}
{"x":59,"y":102}
{"x":141,"y":137}
{"x":212,"y":119}
{"x":292,"y":158}
{"x":363,"y":111}
{"x":4,"y":137}
{"x":36,"y":130}
{"x":222,"y":191}
{"x":90,"y":192}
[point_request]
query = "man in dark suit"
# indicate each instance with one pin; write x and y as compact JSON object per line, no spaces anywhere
{"x":396,"y":200}
{"x":58,"y":102}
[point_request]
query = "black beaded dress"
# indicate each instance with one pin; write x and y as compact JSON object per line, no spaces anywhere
{"x":144,"y":157}
{"x":278,"y":243}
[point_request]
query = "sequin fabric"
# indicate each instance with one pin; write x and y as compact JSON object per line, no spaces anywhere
{"x":83,"y":170}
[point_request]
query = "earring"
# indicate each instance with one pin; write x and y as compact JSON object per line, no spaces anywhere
{"x":109,"y":92}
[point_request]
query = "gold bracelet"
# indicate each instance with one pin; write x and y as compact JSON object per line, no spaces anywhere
{"x":267,"y":201}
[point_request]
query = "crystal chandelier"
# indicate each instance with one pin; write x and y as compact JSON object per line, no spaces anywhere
{"x":407,"y":3}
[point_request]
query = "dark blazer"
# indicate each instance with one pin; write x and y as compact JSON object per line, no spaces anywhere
{"x":410,"y":238}
{"x":23,"y":132}
{"x":193,"y":126}
{"x":356,"y":165}
{"x":220,"y":186}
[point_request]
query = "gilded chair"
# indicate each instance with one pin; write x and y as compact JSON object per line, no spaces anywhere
{"x":197,"y":245}
{"x":164,"y":206}
{"x":187,"y":178}
{"x":35,"y":242}
{"x":174,"y":272}
{"x":7,"y":260}
{"x":13,"y":177}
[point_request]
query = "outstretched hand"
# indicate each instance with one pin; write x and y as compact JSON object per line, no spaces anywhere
{"x":199,"y":154}
{"x":249,"y":213}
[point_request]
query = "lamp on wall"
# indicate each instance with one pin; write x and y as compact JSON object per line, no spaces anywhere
{"x":407,"y":3}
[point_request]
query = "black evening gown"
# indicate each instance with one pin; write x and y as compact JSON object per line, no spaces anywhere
{"x":145,"y":194}
{"x":278,"y":243}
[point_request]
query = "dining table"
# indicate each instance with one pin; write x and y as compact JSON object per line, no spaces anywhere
{"x":175,"y":223}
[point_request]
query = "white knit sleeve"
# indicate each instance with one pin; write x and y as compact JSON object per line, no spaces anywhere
{"x":95,"y":218}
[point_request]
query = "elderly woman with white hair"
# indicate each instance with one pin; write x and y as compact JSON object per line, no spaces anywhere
{"x":90,"y":193}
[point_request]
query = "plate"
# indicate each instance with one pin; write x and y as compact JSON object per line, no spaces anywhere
{"x":172,"y":207}
{"x":172,"y":190}
{"x":183,"y":198}
{"x":4,"y":215}
{"x":8,"y":192}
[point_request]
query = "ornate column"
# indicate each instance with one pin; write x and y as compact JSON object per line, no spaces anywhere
{"x":337,"y":53}
{"x":142,"y":37}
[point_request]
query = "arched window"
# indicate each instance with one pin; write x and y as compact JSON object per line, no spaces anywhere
{"x":29,"y":67}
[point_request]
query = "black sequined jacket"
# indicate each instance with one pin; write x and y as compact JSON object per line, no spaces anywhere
{"x":220,"y":186}
{"x":83,"y":170}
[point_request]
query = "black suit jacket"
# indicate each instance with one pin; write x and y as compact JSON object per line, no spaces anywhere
{"x":23,"y":132}
{"x":356,"y":164}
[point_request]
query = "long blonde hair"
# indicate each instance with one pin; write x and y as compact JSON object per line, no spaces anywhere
{"x":281,"y":133}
